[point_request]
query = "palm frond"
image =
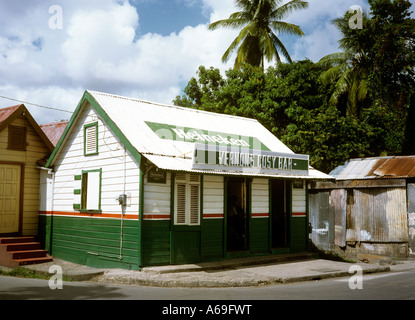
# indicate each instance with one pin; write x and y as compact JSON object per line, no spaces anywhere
{"x":289,"y":7}
{"x":279,"y":45}
{"x":332,"y":74}
{"x":228,"y":23}
{"x":269,"y":48}
{"x":241,"y":36}
{"x":333,"y":59}
{"x":286,"y":28}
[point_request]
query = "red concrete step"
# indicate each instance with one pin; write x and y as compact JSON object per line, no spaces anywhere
{"x":16,"y":240}
{"x":23,"y":262}
{"x":28,"y":254}
{"x":18,"y":251}
{"x":25,"y":246}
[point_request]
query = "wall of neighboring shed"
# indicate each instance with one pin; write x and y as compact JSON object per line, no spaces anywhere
{"x":368,"y":220}
{"x":100,"y":238}
{"x":35,"y":150}
{"x":411,"y":217}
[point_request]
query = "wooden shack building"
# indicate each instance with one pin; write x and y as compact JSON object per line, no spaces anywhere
{"x":134,"y":183}
{"x":368,"y":209}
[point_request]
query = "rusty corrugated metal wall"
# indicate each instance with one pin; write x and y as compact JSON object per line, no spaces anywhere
{"x":338,"y":207}
{"x":378,"y":215}
{"x":321,"y":219}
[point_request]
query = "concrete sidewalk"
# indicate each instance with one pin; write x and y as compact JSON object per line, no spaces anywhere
{"x":243,"y":272}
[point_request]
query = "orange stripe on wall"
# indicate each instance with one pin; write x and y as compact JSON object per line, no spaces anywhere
{"x":260,"y":215}
{"x":212,"y":215}
{"x":156,"y":216}
{"x":89,"y":215}
{"x":299,"y":214}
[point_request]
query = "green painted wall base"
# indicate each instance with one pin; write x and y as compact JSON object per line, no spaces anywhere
{"x":95,"y":242}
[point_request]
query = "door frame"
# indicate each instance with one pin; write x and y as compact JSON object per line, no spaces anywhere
{"x":287,"y":204}
{"x":21,"y":198}
{"x":176,"y":231}
{"x":246,"y":183}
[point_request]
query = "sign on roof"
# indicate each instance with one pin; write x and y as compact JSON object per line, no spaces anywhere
{"x":193,"y":135}
{"x":249,"y":160}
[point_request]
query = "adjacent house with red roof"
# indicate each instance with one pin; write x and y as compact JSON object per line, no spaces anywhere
{"x":24,"y":148}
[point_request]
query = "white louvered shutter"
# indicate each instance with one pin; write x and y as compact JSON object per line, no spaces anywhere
{"x":181,"y":204}
{"x":194,"y":204}
{"x":187,"y":199}
{"x":90,"y":140}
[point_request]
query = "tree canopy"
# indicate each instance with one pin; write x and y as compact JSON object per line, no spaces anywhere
{"x":356,"y":103}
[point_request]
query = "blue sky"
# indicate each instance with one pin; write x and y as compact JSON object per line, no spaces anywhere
{"x":165,"y":17}
{"x":147,"y":49}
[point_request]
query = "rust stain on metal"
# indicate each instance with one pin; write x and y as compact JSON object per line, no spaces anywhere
{"x":397,"y":167}
{"x":54,"y":130}
{"x":378,"y":168}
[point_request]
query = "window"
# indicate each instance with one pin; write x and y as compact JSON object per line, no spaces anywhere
{"x":91,"y":139}
{"x":91,"y":190}
{"x":187,"y":200}
{"x":17,"y":138}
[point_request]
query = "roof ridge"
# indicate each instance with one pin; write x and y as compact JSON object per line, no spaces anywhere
{"x":171,"y":106}
{"x":53,"y":123}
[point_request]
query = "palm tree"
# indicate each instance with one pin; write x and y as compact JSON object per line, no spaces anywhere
{"x":257,"y":39}
{"x":344,"y":68}
{"x":348,"y":69}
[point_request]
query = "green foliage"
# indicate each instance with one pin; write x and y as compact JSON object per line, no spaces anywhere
{"x":329,"y":138}
{"x":355,"y":103}
{"x":259,"y":19}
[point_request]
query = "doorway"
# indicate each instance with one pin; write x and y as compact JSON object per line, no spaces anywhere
{"x":10,"y":198}
{"x":280,"y":206}
{"x":237,"y":214}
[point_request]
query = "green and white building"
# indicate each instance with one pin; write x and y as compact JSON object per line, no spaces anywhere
{"x":133,"y":184}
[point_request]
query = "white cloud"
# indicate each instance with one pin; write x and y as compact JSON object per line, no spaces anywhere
{"x":99,"y":49}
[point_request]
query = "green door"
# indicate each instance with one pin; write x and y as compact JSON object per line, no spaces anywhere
{"x":185,"y":232}
{"x":185,"y":244}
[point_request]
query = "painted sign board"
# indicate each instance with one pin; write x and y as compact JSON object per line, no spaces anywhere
{"x":193,"y":135}
{"x":248,"y":160}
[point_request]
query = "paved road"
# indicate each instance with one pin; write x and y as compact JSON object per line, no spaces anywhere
{"x":391,"y":286}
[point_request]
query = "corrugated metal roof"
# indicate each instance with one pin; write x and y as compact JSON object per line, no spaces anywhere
{"x":5,"y":113}
{"x":132,"y":116}
{"x":376,"y":168}
{"x":54,"y":130}
{"x":9,"y":114}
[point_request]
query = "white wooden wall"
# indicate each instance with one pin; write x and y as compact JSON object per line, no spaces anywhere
{"x":299,"y":201}
{"x":213,"y":196}
{"x":260,"y":197}
{"x":71,"y":161}
{"x":157,"y":199}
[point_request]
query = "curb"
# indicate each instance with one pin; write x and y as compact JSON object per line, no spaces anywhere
{"x":226,"y":279}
